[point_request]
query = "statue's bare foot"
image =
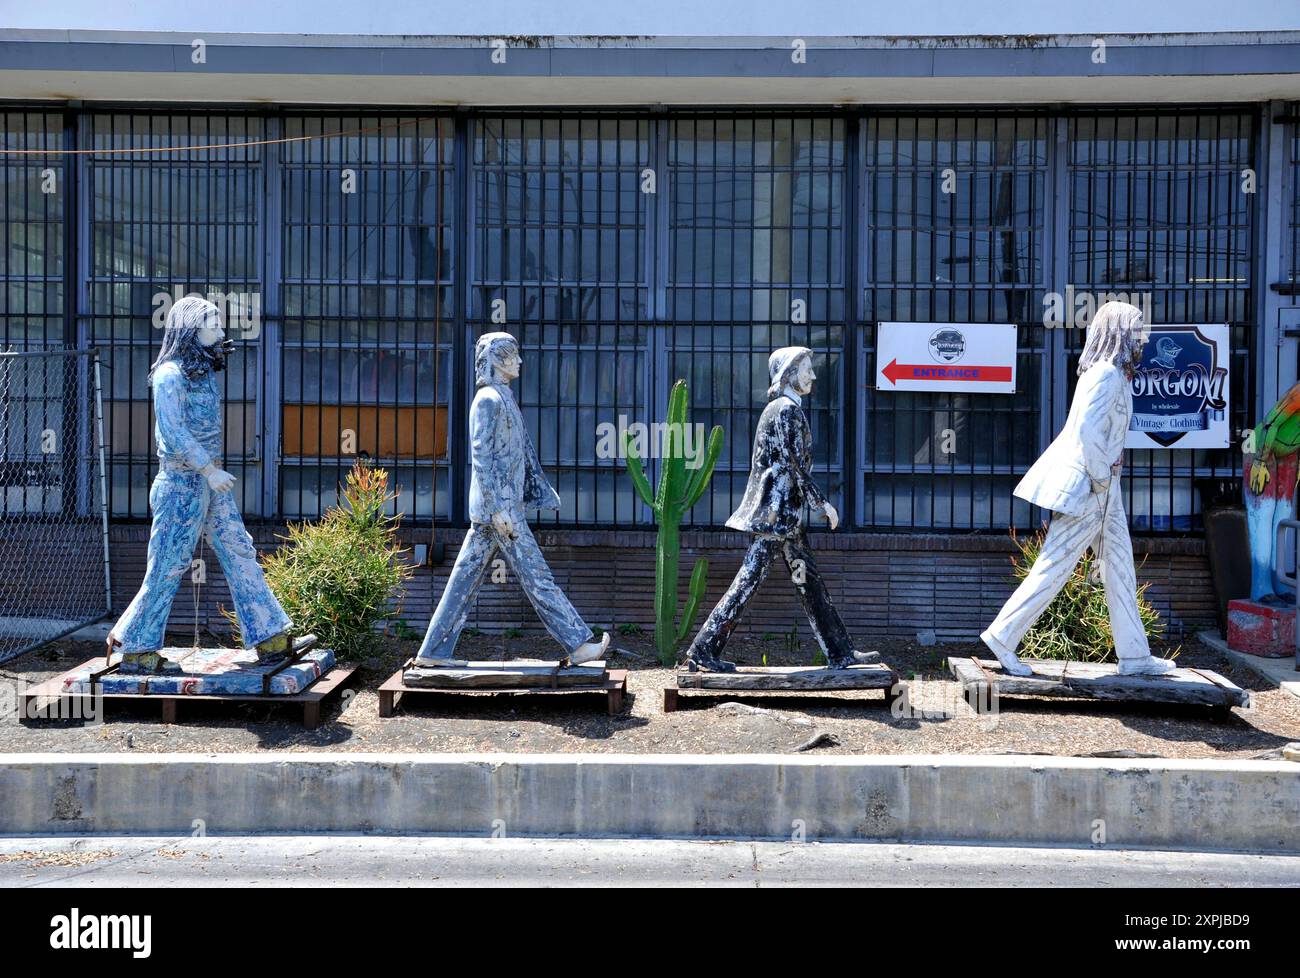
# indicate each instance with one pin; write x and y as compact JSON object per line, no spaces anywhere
{"x":1150,"y":665}
{"x":587,"y":652}
{"x":702,"y":664}
{"x":1011,"y":663}
{"x":855,"y":658}
{"x":440,"y":662}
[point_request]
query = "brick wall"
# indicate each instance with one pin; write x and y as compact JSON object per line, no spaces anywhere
{"x":885,"y":585}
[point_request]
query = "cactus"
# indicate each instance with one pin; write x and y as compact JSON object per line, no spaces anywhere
{"x":676,"y":494}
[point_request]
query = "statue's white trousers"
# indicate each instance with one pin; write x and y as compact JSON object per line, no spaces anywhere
{"x":1067,"y":539}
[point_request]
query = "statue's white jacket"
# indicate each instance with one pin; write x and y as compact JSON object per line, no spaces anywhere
{"x":1078,"y":462}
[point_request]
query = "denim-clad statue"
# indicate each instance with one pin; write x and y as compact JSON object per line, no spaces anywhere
{"x":1077,"y":478}
{"x":506,"y":480}
{"x":191,"y":496}
{"x":780,"y":485}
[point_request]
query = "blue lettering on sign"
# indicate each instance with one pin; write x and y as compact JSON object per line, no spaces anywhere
{"x":1179,"y":386}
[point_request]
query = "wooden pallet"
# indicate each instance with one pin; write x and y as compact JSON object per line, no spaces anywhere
{"x":765,"y":680}
{"x":37,"y":701}
{"x":503,"y":674}
{"x":983,"y":681}
{"x":613,"y":686}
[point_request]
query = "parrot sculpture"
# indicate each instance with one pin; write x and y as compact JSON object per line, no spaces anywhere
{"x":1270,"y":484}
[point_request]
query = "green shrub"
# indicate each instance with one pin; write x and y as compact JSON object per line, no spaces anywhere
{"x":337,"y":576}
{"x":1076,"y":625}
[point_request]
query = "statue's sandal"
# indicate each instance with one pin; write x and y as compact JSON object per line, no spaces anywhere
{"x":285,"y":646}
{"x":139,"y":663}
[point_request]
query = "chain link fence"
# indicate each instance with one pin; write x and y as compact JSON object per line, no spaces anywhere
{"x":54,"y":571}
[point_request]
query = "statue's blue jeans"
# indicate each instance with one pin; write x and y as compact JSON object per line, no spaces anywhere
{"x":472,"y":564}
{"x":184,"y":507}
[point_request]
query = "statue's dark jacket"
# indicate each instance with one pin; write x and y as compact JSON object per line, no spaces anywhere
{"x":780,"y":477}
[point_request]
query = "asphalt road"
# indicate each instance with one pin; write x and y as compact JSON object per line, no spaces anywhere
{"x":322,"y":860}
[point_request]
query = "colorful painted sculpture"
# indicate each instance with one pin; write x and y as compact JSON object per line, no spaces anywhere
{"x":191,"y":496}
{"x":506,"y":480}
{"x":1270,"y":484}
{"x":780,"y":485}
{"x":1077,"y":478}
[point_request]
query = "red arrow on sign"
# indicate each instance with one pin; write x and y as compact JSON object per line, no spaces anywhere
{"x":931,"y":371}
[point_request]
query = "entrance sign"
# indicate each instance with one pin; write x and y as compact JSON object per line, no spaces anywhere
{"x":1180,"y":392}
{"x":977,"y":358}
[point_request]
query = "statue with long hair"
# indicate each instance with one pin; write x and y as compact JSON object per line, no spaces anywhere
{"x":1077,"y":478}
{"x":191,"y":496}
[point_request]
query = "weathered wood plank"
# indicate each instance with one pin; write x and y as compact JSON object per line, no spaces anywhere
{"x":966,"y":671}
{"x":394,"y":691}
{"x":791,"y":677}
{"x":518,"y":673}
{"x":1100,"y":680}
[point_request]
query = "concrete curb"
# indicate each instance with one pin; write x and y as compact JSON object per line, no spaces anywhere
{"x":1170,"y":804}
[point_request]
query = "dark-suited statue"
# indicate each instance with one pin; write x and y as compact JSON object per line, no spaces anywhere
{"x":780,"y":484}
{"x":506,"y":480}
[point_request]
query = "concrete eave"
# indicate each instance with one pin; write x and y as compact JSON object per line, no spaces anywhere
{"x":640,"y":71}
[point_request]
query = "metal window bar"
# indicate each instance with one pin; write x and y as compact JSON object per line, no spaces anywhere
{"x":162,"y":223}
{"x":755,"y":262}
{"x":1157,"y":208}
{"x":607,"y":284}
{"x":368,"y":309}
{"x":954,"y":212}
{"x":1294,"y":126}
{"x":559,"y":224}
{"x":32,"y":213}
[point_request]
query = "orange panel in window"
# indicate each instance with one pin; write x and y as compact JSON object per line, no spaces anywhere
{"x":312,"y":430}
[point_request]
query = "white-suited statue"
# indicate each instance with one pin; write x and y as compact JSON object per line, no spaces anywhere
{"x":507,"y":479}
{"x":1077,"y":478}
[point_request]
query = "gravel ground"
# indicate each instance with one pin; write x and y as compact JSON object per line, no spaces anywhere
{"x":857,"y":723}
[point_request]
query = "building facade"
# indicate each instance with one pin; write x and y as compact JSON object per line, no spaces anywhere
{"x":641,"y":210}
